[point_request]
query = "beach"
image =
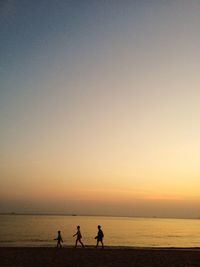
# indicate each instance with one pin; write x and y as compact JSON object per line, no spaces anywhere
{"x":107,"y":257}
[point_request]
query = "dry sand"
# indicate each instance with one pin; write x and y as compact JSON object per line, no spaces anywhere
{"x":68,"y":257}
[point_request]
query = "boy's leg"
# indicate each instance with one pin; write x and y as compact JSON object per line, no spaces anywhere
{"x":81,"y":243}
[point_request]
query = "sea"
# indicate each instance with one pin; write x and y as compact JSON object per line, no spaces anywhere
{"x":40,"y":230}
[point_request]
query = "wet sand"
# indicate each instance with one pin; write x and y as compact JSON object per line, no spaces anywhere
{"x":116,"y":257}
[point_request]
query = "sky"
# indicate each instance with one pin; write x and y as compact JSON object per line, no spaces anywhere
{"x":99,"y":107}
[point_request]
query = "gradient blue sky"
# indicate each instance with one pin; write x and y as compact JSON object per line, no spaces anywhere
{"x":99,"y":107}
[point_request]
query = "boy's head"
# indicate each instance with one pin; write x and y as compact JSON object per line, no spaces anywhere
{"x":78,"y":227}
{"x":99,"y":226}
{"x":58,"y":232}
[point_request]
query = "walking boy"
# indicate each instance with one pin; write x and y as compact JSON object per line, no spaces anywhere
{"x":59,"y":240}
{"x":78,"y":237}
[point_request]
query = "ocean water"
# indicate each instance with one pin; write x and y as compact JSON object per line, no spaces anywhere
{"x":40,"y":230}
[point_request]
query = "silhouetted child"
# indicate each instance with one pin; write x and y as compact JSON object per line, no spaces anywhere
{"x":99,"y":236}
{"x":59,"y":240}
{"x":78,"y":237}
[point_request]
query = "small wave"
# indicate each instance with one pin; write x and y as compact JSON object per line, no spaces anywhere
{"x":7,"y":241}
{"x":39,"y":240}
{"x":173,"y":236}
{"x":26,"y":240}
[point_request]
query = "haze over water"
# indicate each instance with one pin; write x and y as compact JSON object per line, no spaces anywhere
{"x":40,"y":230}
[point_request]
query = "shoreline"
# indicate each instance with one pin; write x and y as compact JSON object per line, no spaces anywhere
{"x":89,"y":256}
{"x":99,"y":248}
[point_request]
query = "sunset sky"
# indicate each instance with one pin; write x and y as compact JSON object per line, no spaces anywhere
{"x":100,"y":107}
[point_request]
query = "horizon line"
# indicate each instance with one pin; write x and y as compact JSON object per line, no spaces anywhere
{"x":95,"y":215}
